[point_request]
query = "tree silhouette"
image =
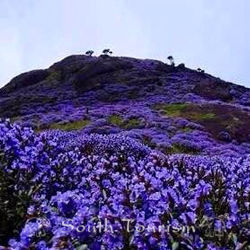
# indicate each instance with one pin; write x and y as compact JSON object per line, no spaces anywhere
{"x":171,"y":59}
{"x":107,"y":52}
{"x":89,"y":53}
{"x":201,"y":70}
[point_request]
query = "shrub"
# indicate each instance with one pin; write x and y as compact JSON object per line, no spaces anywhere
{"x":171,"y":59}
{"x":89,"y":53}
{"x":107,"y":52}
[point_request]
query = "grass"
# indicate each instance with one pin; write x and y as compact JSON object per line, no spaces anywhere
{"x":132,"y":123}
{"x":201,"y":116}
{"x":115,"y":120}
{"x":70,"y":126}
{"x":188,"y":111}
{"x":173,"y":110}
{"x":180,"y":149}
{"x":118,"y":121}
{"x":215,"y":118}
{"x":186,"y":130}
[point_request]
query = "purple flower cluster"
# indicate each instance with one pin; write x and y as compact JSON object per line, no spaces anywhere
{"x":65,"y":197}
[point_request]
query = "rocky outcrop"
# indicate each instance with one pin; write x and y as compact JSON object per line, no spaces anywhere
{"x":24,"y":80}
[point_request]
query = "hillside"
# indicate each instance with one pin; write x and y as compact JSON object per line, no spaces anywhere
{"x":158,"y":154}
{"x":172,"y":109}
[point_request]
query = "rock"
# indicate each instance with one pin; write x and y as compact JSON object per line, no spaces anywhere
{"x":25,"y":80}
{"x":93,"y":74}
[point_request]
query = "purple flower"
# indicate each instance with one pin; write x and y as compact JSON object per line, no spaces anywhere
{"x":233,"y":206}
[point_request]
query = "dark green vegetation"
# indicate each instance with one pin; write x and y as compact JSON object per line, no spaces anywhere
{"x":215,"y":118}
{"x":70,"y":125}
{"x":125,"y":124}
{"x":189,"y":111}
{"x":182,"y":149}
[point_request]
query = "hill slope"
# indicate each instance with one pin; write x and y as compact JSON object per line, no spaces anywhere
{"x":57,"y":186}
{"x":173,"y":109}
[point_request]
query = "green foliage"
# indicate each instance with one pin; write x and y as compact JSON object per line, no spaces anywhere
{"x":118,"y":121}
{"x":215,"y":118}
{"x":70,"y":126}
{"x":173,"y":110}
{"x":132,"y":123}
{"x":201,"y":116}
{"x":147,"y":140}
{"x":186,"y":130}
{"x":15,"y":198}
{"x":115,"y":120}
{"x":188,"y":111}
{"x":181,"y":149}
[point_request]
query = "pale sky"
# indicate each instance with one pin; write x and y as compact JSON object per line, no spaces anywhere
{"x":211,"y":34}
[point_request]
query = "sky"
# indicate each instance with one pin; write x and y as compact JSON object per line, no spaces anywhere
{"x":210,"y":34}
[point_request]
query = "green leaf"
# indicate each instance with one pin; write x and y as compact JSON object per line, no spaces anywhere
{"x":175,"y":245}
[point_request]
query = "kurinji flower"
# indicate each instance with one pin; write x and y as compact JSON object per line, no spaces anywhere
{"x":193,"y":204}
{"x":233,"y":206}
{"x":155,"y":196}
{"x":208,"y":208}
{"x":70,"y":183}
{"x":28,"y":232}
{"x":218,"y":225}
{"x":42,"y":245}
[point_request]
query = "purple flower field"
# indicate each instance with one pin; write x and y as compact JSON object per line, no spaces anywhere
{"x":59,"y":195}
{"x":121,"y":153}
